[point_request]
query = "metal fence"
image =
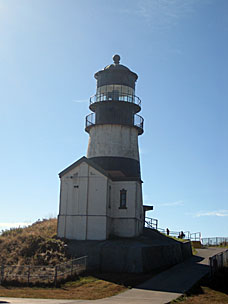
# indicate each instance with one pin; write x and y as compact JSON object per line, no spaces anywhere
{"x":218,"y":262}
{"x":151,"y":223}
{"x":42,"y":274}
{"x":196,"y":236}
{"x":187,"y":235}
{"x":215,"y":241}
{"x":176,"y":234}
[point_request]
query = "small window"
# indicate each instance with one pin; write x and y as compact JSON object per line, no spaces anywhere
{"x":123,"y":199}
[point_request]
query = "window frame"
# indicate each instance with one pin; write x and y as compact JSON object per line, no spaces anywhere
{"x":123,"y":199}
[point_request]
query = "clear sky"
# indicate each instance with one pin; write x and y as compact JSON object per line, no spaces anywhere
{"x":49,"y":52}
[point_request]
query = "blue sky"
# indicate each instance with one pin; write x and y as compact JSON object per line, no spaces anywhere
{"x":49,"y":52}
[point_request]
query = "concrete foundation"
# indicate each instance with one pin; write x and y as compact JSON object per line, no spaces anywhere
{"x":148,"y":252}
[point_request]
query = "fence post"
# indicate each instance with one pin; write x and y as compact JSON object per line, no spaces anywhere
{"x":56,"y":275}
{"x":2,"y":274}
{"x":28,"y":274}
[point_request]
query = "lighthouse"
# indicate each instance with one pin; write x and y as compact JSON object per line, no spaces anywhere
{"x":101,"y":194}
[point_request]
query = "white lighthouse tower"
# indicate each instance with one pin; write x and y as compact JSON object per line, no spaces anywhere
{"x":101,"y":194}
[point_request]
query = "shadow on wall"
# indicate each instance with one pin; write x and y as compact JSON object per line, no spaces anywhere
{"x":171,"y":280}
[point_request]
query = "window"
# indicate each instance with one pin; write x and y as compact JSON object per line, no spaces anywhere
{"x":123,"y":199}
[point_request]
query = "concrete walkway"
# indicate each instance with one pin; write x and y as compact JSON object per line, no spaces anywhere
{"x":160,"y":289}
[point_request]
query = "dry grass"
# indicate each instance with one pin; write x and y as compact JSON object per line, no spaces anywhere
{"x":213,"y":291}
{"x":35,"y":245}
{"x":38,"y":245}
{"x":208,"y":296}
{"x":86,"y":288}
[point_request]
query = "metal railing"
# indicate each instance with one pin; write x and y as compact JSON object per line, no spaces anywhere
{"x":138,"y":121}
{"x":90,"y":120}
{"x":215,"y":241}
{"x":186,"y":235}
{"x":196,"y":236}
{"x":151,"y":223}
{"x":176,"y":234}
{"x":218,"y":262}
{"x":114,"y":96}
{"x":45,"y":274}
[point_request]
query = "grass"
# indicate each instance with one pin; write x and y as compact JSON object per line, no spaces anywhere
{"x":85,"y":288}
{"x":90,"y":287}
{"x":38,"y":245}
{"x":214,"y":291}
{"x":34,"y":245}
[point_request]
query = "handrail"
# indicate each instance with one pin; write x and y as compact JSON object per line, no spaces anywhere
{"x":175,"y":233}
{"x":151,"y":223}
{"x":112,"y":96}
{"x":187,"y":235}
{"x":196,"y":236}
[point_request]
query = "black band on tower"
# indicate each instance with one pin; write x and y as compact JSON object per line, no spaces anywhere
{"x":119,"y":166}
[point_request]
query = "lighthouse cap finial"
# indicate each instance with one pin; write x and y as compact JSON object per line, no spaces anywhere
{"x":116,"y":59}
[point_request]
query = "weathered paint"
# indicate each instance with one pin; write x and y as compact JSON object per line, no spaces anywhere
{"x":83,"y":202}
{"x":113,"y":140}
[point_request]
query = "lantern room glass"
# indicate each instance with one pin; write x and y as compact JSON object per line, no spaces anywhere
{"x":115,"y":92}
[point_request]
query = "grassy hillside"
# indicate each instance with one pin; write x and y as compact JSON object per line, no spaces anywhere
{"x":35,"y":245}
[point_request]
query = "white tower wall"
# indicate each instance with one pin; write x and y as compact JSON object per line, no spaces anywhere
{"x":113,"y":140}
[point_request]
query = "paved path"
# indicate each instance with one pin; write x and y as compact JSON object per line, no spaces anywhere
{"x":160,"y":289}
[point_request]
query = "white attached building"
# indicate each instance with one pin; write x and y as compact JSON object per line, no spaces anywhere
{"x":95,"y":207}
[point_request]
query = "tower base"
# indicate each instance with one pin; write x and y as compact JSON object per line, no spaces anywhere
{"x":148,"y":252}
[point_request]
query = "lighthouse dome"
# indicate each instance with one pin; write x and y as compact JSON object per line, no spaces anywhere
{"x":116,"y":65}
{"x":116,"y":73}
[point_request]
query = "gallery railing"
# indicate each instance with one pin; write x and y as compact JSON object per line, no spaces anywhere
{"x":138,"y":121}
{"x":114,"y":96}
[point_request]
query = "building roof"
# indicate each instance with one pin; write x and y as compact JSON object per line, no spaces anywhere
{"x":98,"y":168}
{"x":81,"y":160}
{"x":147,"y":207}
{"x":116,"y":67}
